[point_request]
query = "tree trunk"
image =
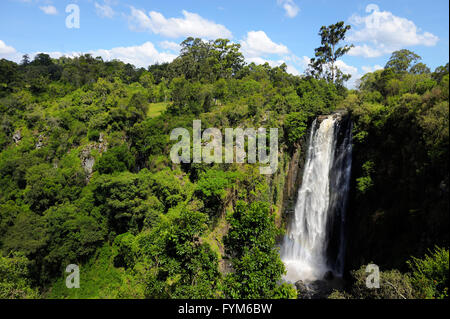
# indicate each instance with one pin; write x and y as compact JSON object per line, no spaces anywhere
{"x":332,"y":64}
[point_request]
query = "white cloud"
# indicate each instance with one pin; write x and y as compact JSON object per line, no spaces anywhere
{"x":191,"y":24}
{"x":349,"y":69}
{"x":289,"y":7}
{"x":9,"y":53}
{"x":140,"y":55}
{"x":170,"y":45}
{"x":292,"y":70}
{"x":49,"y":10}
{"x":354,"y":72}
{"x":257,"y":43}
{"x":274,"y":63}
{"x":346,"y":69}
{"x":303,"y":62}
{"x":259,"y":60}
{"x":367,"y":51}
{"x":6,"y":49}
{"x":258,"y":48}
{"x":369,"y":69}
{"x":139,"y":21}
{"x":385,"y":33}
{"x":104,"y":11}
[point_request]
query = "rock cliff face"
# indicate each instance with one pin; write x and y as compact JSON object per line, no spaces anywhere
{"x":293,"y":179}
{"x":403,"y":212}
{"x":87,"y":158}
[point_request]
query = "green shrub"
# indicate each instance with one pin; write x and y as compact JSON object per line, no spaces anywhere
{"x":295,"y":126}
{"x":93,"y":135}
{"x":430,"y":274}
{"x":116,"y":159}
{"x":14,"y":278}
{"x":393,"y":285}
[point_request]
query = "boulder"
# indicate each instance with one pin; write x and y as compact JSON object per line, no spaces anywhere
{"x":317,"y":289}
{"x":17,"y":136}
{"x":320,"y":289}
{"x":303,"y":291}
{"x":40,"y":142}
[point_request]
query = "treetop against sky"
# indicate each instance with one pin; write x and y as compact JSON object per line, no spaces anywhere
{"x":273,"y":31}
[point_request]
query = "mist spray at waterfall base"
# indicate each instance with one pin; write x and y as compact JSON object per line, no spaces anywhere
{"x":315,"y":243}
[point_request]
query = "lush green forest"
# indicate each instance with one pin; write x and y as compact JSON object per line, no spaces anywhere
{"x":86,"y":176}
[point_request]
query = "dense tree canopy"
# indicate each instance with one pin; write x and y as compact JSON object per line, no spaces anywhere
{"x":86,"y":177}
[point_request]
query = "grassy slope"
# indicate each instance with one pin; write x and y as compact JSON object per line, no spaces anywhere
{"x":98,"y":279}
{"x":156,"y":109}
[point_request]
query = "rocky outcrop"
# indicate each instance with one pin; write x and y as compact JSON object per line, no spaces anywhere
{"x":40,"y":142}
{"x":17,"y":136}
{"x":87,"y":159}
{"x":340,"y":114}
{"x":318,"y":289}
{"x":293,"y":179}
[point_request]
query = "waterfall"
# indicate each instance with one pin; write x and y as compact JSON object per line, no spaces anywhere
{"x":314,"y":243}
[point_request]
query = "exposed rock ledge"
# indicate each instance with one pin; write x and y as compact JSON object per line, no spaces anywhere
{"x":87,"y":160}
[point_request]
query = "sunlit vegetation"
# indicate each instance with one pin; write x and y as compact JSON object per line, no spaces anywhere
{"x":86,"y":178}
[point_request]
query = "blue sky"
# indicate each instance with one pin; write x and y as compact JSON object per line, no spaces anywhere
{"x":276,"y":31}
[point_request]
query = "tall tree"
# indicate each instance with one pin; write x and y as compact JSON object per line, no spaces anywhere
{"x":25,"y":59}
{"x":324,"y":62}
{"x":402,"y":60}
{"x":208,"y":61}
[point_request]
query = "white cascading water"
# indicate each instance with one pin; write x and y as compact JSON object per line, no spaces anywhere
{"x":327,"y":167}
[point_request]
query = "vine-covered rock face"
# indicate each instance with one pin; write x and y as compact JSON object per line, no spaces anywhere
{"x":398,"y":208}
{"x":86,"y":157}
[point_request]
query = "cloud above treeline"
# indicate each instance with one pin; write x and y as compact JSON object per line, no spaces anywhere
{"x":375,"y":33}
{"x":381,"y":32}
{"x":140,"y":55}
{"x":191,"y":24}
{"x":257,"y":43}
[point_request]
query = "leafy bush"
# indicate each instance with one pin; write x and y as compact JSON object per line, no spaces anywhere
{"x":212,"y":188}
{"x":14,"y":278}
{"x":393,"y":285}
{"x":256,"y":262}
{"x":430,"y":274}
{"x":116,"y":159}
{"x":295,"y":126}
{"x":93,"y":135}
